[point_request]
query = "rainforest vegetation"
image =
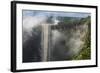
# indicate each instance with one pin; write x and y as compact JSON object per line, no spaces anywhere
{"x":69,"y":37}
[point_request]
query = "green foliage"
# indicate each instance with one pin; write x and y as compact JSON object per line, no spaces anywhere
{"x":69,"y":20}
{"x":85,"y":53}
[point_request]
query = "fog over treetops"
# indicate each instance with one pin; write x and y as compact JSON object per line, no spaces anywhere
{"x":69,"y":36}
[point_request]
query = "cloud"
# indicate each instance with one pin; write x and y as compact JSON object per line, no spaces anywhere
{"x":30,"y":22}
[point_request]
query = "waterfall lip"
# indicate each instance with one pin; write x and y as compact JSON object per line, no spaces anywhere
{"x":56,"y":22}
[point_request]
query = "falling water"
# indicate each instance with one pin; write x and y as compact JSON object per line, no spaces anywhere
{"x":45,"y":41}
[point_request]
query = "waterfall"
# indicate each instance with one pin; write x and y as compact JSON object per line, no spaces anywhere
{"x":45,"y":41}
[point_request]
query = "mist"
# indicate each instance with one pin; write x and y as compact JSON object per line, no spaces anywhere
{"x":64,"y":42}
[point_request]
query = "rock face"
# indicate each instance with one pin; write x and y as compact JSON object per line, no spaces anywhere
{"x":67,"y":44}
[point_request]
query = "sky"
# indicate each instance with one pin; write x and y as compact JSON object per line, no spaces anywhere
{"x":49,"y":13}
